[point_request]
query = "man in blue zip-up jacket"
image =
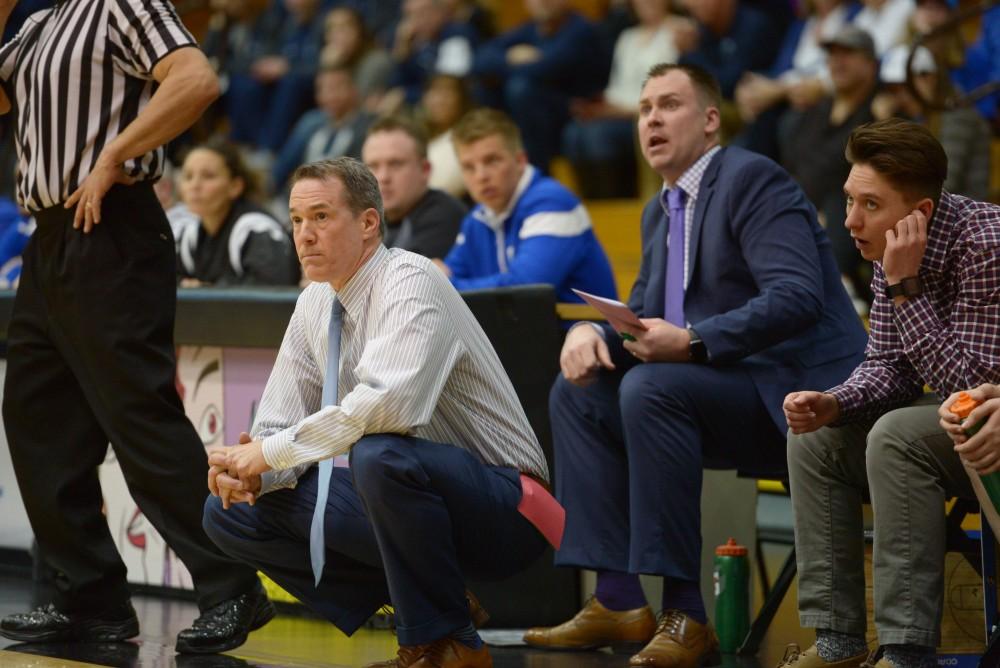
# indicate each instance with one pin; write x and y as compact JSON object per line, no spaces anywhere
{"x":526,"y":227}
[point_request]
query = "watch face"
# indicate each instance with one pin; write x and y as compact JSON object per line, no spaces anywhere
{"x":912,"y":286}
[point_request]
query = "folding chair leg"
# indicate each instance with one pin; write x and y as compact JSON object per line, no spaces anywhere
{"x":760,"y":625}
{"x":765,"y":581}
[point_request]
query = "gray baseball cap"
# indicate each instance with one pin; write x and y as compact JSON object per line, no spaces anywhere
{"x":854,"y":38}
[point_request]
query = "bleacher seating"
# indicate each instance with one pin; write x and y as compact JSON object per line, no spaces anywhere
{"x":616,"y":223}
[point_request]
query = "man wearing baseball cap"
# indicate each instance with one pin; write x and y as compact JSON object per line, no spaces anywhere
{"x":812,"y":147}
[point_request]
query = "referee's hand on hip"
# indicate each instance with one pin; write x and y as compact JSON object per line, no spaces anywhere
{"x":93,"y":189}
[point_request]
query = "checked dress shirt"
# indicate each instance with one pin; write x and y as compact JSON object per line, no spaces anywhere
{"x":949,"y":336}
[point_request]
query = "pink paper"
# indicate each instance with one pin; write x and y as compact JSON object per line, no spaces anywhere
{"x":542,"y":510}
{"x":616,"y":312}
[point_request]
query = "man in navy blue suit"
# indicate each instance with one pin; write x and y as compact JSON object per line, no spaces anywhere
{"x":741,"y":301}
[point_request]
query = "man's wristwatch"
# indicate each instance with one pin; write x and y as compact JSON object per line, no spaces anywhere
{"x":908,"y":287}
{"x":697,"y":349}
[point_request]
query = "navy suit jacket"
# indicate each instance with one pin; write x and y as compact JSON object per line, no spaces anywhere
{"x":764,"y":292}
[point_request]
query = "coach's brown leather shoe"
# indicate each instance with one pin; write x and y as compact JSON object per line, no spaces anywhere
{"x":408,"y":654}
{"x":405,"y":656}
{"x":444,"y":653}
{"x":596,"y":626}
{"x":450,"y":653}
{"x":680,"y":642}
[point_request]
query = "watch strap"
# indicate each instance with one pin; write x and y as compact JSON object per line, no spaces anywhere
{"x":697,"y":349}
{"x":908,"y":287}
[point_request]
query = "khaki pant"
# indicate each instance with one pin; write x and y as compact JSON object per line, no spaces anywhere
{"x":908,"y":466}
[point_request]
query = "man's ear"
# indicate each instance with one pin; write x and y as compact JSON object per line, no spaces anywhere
{"x":713,"y":120}
{"x":371,"y":223}
{"x":926,"y":207}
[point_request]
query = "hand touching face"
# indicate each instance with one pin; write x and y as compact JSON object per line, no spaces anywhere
{"x":905,"y":244}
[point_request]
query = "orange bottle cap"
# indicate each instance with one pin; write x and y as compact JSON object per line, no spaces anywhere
{"x":963,"y":405}
{"x":731,"y":549}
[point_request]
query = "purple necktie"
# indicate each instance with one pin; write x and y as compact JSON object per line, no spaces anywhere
{"x":673,"y":304}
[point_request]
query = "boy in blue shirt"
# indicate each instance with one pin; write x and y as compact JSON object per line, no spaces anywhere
{"x":525,"y":227}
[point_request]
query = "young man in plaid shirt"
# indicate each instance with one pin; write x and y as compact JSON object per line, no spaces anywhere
{"x":935,"y":322}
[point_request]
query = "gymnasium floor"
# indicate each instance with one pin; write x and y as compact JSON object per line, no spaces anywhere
{"x":293,"y":641}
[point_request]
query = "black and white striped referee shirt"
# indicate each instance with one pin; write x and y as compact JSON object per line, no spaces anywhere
{"x":76,"y":76}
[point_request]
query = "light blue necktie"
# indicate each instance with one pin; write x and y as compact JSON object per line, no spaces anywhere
{"x":317,"y":544}
{"x":673,"y":306}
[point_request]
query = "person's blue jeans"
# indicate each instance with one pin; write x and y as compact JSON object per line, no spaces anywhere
{"x":406,"y":524}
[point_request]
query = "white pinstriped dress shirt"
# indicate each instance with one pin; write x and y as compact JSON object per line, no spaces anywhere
{"x":413,"y":361}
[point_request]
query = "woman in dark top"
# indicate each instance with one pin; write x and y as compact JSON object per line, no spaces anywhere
{"x":229,"y":240}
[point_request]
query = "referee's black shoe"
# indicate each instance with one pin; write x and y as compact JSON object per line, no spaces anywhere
{"x":227,"y":625}
{"x":49,"y":624}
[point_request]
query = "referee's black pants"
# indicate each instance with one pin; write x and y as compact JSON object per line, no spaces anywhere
{"x":91,"y":361}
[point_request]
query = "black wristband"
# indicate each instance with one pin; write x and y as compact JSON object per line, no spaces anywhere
{"x":908,"y":287}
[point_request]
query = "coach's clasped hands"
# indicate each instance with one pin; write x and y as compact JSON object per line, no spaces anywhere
{"x":234,"y":471}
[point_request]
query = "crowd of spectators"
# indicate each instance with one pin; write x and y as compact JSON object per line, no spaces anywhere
{"x":465,"y":128}
{"x":307,"y":79}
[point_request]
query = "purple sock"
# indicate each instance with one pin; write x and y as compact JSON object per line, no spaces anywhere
{"x":684,"y":595}
{"x":619,"y":591}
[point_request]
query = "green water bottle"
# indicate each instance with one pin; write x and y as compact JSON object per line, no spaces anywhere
{"x":732,"y":595}
{"x":963,"y":405}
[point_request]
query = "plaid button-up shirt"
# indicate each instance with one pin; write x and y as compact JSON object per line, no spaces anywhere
{"x":949,"y":336}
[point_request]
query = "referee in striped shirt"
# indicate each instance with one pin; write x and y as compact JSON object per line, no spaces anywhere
{"x":96,"y":88}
